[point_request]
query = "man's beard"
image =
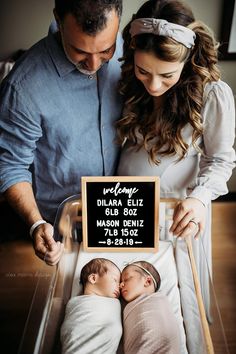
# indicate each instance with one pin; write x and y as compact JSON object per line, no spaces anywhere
{"x":79,"y":66}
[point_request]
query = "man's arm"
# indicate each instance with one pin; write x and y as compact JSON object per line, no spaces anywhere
{"x":21,"y":198}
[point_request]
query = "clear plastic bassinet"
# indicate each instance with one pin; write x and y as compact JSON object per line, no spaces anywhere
{"x":203,"y":334}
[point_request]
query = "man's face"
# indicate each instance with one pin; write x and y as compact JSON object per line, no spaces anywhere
{"x":89,"y":52}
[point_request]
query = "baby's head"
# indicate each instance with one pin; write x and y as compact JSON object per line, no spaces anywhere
{"x":101,"y":277}
{"x":139,"y":278}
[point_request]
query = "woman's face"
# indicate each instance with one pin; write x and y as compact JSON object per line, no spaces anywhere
{"x":157,"y":76}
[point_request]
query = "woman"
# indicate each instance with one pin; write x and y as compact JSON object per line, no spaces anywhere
{"x":179,"y":117}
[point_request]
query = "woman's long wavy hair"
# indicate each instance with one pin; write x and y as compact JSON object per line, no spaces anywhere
{"x":162,"y":133}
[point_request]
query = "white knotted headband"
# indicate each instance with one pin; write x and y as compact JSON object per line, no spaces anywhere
{"x":146,"y":271}
{"x":164,"y":28}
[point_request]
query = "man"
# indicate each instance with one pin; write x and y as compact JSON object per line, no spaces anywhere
{"x":57,"y":110}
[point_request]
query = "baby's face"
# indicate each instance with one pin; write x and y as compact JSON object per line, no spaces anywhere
{"x":109,"y":283}
{"x":132,"y":283}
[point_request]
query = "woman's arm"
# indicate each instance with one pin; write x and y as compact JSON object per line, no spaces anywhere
{"x":216,"y":162}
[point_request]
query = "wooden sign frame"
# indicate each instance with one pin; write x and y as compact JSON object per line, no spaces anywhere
{"x":120,"y":213}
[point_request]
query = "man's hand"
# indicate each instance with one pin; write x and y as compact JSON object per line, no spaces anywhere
{"x":45,"y":246}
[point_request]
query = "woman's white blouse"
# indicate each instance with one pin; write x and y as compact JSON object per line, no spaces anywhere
{"x":203,"y":176}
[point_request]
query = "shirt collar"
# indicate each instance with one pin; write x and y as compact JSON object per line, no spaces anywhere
{"x":56,"y":52}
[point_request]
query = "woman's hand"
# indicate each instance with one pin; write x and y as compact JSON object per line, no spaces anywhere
{"x":189,"y":218}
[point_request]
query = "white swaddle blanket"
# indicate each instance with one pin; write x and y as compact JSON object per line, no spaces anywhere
{"x":92,"y":324}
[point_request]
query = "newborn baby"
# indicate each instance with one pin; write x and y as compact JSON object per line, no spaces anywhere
{"x":92,"y":321}
{"x":149,"y":324}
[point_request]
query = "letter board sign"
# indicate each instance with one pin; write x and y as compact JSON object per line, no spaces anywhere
{"x":120,"y":213}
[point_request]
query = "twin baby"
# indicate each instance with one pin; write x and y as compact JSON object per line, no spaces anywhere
{"x":93,"y":321}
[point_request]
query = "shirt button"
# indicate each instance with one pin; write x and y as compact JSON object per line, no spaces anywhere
{"x":90,"y":77}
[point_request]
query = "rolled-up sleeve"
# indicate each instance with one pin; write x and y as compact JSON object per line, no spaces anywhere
{"x":218,"y":158}
{"x":19,"y":132}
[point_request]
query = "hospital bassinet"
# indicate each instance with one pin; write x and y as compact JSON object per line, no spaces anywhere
{"x":174,"y":260}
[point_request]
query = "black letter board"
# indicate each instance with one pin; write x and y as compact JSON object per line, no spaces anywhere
{"x":120,"y":213}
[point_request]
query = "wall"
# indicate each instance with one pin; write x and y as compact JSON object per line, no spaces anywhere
{"x":23,"y":22}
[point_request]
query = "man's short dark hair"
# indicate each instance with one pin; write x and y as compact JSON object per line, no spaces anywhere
{"x":91,"y":15}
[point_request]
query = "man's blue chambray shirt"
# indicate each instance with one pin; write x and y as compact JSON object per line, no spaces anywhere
{"x":57,"y":124}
